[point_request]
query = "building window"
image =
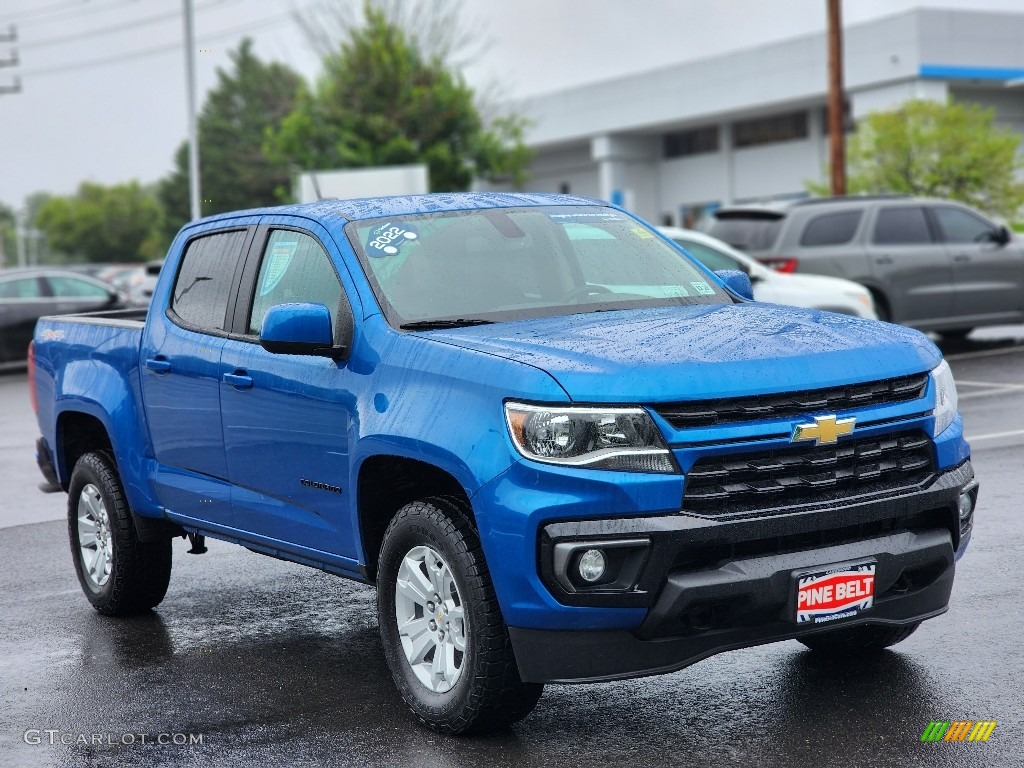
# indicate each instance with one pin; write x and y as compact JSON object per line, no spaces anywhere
{"x":693,"y":142}
{"x":767,"y":130}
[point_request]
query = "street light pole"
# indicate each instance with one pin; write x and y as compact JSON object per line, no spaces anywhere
{"x":836,"y":113}
{"x":193,"y":128}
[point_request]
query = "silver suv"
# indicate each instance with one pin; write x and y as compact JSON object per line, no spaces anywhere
{"x":931,"y":264}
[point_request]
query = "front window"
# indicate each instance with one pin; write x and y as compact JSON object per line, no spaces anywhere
{"x":502,"y":264}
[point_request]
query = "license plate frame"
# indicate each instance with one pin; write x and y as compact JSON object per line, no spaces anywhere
{"x":834,"y":594}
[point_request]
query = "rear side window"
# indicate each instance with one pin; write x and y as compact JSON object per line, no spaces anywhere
{"x":902,"y":226}
{"x":831,"y":229}
{"x":200,"y":296}
{"x":295,"y":268}
{"x":23,"y":288}
{"x":747,"y":233}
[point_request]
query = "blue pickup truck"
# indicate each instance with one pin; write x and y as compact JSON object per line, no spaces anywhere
{"x":561,"y":449}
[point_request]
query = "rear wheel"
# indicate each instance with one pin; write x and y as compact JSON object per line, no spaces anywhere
{"x":443,"y":634}
{"x":866,"y":639}
{"x":119,"y":574}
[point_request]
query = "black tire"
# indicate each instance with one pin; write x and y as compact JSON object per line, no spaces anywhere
{"x":488,"y":694}
{"x":863,"y":640}
{"x":139,"y":572}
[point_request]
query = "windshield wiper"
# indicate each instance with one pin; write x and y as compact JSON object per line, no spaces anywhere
{"x":427,"y":325}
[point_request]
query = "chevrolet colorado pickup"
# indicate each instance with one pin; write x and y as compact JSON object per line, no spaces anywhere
{"x":560,"y":448}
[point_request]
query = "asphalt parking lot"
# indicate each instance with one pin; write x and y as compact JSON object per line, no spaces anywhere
{"x":252,"y":661}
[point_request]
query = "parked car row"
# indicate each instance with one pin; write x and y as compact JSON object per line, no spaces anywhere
{"x":28,"y":294}
{"x":934,"y":265}
{"x":813,"y":291}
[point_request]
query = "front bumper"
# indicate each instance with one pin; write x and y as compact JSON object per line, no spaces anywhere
{"x":711,"y":586}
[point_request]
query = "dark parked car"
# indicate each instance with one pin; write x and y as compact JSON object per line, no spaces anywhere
{"x":28,"y":294}
{"x":934,"y":265}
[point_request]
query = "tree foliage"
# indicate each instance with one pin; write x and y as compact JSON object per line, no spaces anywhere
{"x":953,"y":151}
{"x":387,"y":98}
{"x":234,"y":172}
{"x":102,"y":224}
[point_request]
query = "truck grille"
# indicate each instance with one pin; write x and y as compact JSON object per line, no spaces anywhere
{"x":792,"y":404}
{"x":750,"y":482}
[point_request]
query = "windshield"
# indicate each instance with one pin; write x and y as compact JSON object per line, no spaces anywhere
{"x":501,"y":264}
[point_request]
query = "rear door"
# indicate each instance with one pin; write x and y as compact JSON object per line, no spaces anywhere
{"x":181,"y":376}
{"x":288,"y":418}
{"x":989,"y":277}
{"x":914,"y":269}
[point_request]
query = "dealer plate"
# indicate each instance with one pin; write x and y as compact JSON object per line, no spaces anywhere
{"x":833,"y":593}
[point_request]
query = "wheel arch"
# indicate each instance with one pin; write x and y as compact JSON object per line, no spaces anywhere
{"x":385,"y":484}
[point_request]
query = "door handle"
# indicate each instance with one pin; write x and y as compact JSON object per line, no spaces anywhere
{"x":883,"y":260}
{"x":158,"y":364}
{"x":962,"y":257}
{"x":238,"y":379}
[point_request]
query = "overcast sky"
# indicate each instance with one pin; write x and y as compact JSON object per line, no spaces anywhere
{"x":103,"y":96}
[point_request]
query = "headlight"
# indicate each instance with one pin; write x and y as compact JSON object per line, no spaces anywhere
{"x":945,"y":397}
{"x":596,"y":438}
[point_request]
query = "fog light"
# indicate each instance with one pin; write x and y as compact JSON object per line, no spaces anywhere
{"x":966,"y":506}
{"x":592,"y":565}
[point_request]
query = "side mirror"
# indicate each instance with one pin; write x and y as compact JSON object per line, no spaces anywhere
{"x":299,"y":329}
{"x":737,"y":282}
{"x":1002,"y":236}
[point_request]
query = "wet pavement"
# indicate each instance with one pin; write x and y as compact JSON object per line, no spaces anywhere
{"x":269,"y":663}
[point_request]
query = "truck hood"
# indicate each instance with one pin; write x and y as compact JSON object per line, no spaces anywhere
{"x":692,"y":353}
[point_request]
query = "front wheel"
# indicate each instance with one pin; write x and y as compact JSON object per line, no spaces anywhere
{"x":443,"y":634}
{"x":119,"y":574}
{"x":862,"y":640}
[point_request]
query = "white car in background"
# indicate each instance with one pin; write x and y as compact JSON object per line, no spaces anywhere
{"x":814,"y":291}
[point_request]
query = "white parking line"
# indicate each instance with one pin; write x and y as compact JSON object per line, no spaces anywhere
{"x":990,"y":384}
{"x":985,"y":353}
{"x":995,"y":435}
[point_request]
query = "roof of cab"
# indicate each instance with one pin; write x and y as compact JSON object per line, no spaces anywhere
{"x":404,"y":205}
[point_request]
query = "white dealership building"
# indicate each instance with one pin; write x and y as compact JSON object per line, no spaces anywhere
{"x":674,"y":142}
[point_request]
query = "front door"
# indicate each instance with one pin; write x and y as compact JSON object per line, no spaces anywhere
{"x":989,"y":277}
{"x":287,"y":418}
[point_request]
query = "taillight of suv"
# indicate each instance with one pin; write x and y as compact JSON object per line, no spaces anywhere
{"x":781,"y":263}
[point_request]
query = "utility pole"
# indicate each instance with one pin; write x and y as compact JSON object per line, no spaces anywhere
{"x":836,"y":113}
{"x":193,"y":128}
{"x":10,"y":37}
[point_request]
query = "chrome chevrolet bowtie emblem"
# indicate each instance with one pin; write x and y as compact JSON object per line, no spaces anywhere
{"x":824,"y":431}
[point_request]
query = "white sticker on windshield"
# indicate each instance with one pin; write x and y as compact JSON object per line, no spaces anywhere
{"x":277,"y":264}
{"x":702,"y":288}
{"x":387,"y":239}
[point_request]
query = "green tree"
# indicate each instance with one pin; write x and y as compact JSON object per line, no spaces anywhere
{"x":8,"y":242}
{"x":385,"y":98}
{"x":101,"y":224}
{"x":234,"y":172}
{"x":953,"y":151}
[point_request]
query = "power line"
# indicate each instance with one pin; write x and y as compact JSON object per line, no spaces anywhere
{"x":152,"y":51}
{"x":49,"y":10}
{"x":154,"y":19}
